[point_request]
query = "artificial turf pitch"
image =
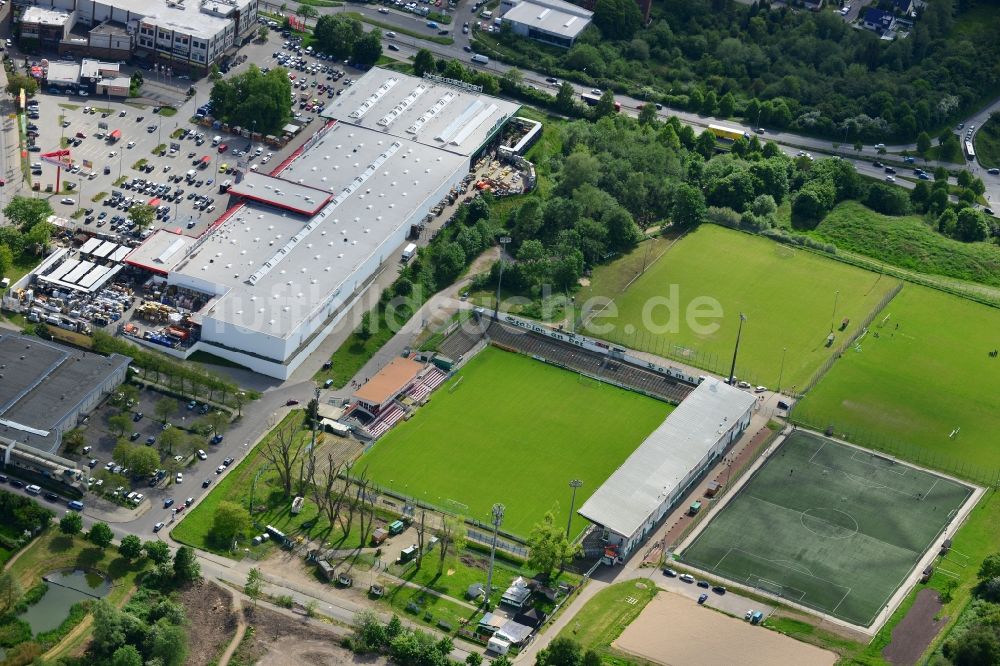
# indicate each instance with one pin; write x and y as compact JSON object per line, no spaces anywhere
{"x":792,"y":298}
{"x":514,"y":430}
{"x":828,"y":526}
{"x":926,"y":375}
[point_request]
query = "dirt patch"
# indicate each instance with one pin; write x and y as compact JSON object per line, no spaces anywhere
{"x":915,"y":631}
{"x":285,"y":639}
{"x":674,"y":630}
{"x":474,"y":562}
{"x":212,"y":621}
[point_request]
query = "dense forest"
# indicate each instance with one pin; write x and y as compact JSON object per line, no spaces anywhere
{"x":787,"y":68}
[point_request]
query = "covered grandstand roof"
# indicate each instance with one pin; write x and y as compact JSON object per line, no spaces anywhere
{"x":636,"y":489}
{"x":389,"y":381}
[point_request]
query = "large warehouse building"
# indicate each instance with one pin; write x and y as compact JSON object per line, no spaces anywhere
{"x":45,"y":390}
{"x":282,"y":267}
{"x":660,"y":472}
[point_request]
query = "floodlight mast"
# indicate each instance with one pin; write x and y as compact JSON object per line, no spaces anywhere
{"x":497,"y":520}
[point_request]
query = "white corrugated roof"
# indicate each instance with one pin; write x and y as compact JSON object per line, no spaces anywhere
{"x":635,"y":490}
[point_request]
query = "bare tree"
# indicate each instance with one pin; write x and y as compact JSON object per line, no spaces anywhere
{"x":451,"y":536}
{"x":281,"y":450}
{"x":325,"y":488}
{"x":365,"y":501}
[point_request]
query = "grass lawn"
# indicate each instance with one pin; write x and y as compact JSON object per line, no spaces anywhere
{"x":987,"y":143}
{"x":840,"y":539}
{"x":604,"y":618}
{"x":505,"y":430}
{"x":195,"y":527}
{"x":908,"y":242}
{"x":788,"y":296}
{"x":908,"y":389}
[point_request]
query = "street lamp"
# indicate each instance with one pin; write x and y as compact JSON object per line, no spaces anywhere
{"x":833,"y":318}
{"x":503,"y":249}
{"x":574,"y":484}
{"x":736,"y":349}
{"x":497,"y":520}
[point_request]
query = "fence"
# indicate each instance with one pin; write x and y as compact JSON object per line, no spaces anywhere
{"x":846,"y":344}
{"x":918,"y":455}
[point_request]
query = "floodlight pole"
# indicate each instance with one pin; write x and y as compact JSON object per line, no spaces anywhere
{"x":498,"y":511}
{"x":781,"y":373}
{"x":833,"y":318}
{"x":574,"y":484}
{"x":503,"y":249}
{"x":736,"y":350}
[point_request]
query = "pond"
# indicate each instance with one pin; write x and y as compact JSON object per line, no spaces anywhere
{"x":65,"y":589}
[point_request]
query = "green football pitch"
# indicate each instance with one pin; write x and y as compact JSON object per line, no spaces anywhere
{"x":925,"y":389}
{"x":791,"y":298}
{"x":510,"y":429}
{"x":829,"y":526}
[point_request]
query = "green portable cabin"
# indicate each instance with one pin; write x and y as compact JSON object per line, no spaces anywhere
{"x":694,"y":508}
{"x":396,"y":527}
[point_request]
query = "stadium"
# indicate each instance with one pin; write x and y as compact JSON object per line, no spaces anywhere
{"x":637,"y":455}
{"x":298,"y":246}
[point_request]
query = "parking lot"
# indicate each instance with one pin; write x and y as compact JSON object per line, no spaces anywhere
{"x":146,"y":430}
{"x":139,"y":156}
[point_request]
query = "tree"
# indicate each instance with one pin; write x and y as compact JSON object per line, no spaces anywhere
{"x":282,"y":449}
{"x":254,"y":99}
{"x":423,"y":62}
{"x":368,"y":48}
{"x":254,"y":586}
{"x":217,"y":421}
{"x":10,"y":591}
{"x":26,"y":213}
{"x":705,"y":144}
{"x":164,"y":409}
{"x":502,"y":660}
{"x":473,"y":659}
{"x":119,"y":424}
{"x":186,"y":567}
{"x":727,"y":105}
{"x":971,"y":226}
{"x":71,"y":523}
{"x":979,"y":646}
{"x":605,"y":105}
{"x":336,"y":34}
{"x":923,"y":144}
{"x":230,"y":521}
{"x":130,"y":547}
{"x":6,"y":260}
{"x":157,"y":551}
{"x":307,"y":11}
{"x":450,"y":537}
{"x":550,"y":547}
{"x":100,"y":535}
{"x":126,"y":655}
{"x":17,"y":82}
{"x":560,"y":652}
{"x":647,"y":114}
{"x":262,"y":32}
{"x":170,"y":438}
{"x":688,"y":206}
{"x":566,"y":99}
{"x":617,"y":19}
{"x":142,"y":460}
{"x":990,"y":567}
{"x":142,"y":215}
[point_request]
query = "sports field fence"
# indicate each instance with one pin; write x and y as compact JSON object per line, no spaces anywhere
{"x":935,"y":460}
{"x":850,"y":341}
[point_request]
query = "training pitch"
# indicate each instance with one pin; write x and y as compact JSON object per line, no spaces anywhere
{"x":792,"y":298}
{"x":828,"y":526}
{"x":928,"y":374}
{"x":510,"y":429}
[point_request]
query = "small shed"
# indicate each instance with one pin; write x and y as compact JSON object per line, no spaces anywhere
{"x":926,"y":574}
{"x":475,"y":591}
{"x":408,"y":554}
{"x":713,"y":488}
{"x":530,"y":618}
{"x":397,"y":527}
{"x":379,"y":536}
{"x":694,"y":508}
{"x":517,"y":594}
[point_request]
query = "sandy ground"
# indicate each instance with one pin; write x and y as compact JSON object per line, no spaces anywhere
{"x":292,"y":651}
{"x":674,"y":631}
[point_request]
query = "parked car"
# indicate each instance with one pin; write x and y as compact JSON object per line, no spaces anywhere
{"x":702,"y":598}
{"x":158,"y":526}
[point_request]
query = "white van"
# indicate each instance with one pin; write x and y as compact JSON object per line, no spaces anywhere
{"x":481,"y":59}
{"x":216,"y":140}
{"x":33,"y":489}
{"x":409,"y":251}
